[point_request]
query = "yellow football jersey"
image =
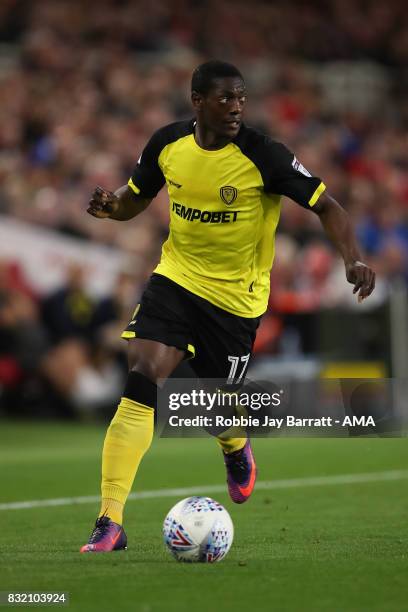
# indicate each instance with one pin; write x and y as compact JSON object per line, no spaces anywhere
{"x":224,"y":209}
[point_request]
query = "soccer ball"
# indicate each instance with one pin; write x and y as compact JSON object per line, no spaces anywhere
{"x":198,"y":529}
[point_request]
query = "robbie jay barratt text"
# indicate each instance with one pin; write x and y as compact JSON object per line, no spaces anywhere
{"x":288,"y":421}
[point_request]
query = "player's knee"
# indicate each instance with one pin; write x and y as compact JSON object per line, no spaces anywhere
{"x":147,"y":368}
{"x":150,"y":359}
{"x":153,"y":359}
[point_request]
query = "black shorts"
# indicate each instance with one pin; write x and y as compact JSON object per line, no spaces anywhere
{"x":218,"y":343}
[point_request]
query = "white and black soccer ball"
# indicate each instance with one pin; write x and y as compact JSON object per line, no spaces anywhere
{"x":198,"y":529}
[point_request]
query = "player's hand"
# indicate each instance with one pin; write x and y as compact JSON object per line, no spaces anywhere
{"x":103,"y":203}
{"x":362,"y":277}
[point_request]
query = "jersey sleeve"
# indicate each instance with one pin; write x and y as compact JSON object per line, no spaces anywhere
{"x":147,"y":178}
{"x":285,"y":175}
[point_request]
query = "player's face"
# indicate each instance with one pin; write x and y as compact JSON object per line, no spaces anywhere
{"x":221,"y":109}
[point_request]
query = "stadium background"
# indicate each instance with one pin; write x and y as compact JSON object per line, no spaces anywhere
{"x":82,"y":90}
{"x":82,"y":87}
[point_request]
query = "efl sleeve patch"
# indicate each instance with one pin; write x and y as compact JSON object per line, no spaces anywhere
{"x":298,"y":166}
{"x":288,"y":177}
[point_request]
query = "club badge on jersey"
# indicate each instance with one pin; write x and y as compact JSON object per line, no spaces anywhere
{"x":228,"y":194}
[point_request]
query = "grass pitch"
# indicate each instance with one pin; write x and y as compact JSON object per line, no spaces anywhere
{"x":333,"y":548}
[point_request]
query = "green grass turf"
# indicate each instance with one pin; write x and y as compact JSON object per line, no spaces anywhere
{"x":338,"y":548}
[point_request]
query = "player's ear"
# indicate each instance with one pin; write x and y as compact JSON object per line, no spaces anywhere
{"x":197,"y":100}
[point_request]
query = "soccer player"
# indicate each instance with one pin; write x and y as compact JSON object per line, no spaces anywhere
{"x":205,"y":298}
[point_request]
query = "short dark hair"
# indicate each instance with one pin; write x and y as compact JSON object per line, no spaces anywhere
{"x":204,"y":75}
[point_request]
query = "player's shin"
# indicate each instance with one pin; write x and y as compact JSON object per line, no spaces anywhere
{"x":128,"y":438}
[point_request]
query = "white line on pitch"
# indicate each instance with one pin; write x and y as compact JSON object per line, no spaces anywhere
{"x":313,"y":481}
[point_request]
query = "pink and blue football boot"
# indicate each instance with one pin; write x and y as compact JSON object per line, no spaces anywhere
{"x":105,"y":537}
{"x":241,"y":473}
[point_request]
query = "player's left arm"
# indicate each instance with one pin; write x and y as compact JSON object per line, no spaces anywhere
{"x":338,"y":228}
{"x":285,"y":175}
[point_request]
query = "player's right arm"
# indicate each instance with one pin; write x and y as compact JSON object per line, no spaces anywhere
{"x":121,"y":205}
{"x":130,"y":200}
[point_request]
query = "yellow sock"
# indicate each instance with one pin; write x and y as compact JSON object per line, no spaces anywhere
{"x":230,"y":444}
{"x":128,"y":438}
{"x":234,"y":438}
{"x":113,"y":509}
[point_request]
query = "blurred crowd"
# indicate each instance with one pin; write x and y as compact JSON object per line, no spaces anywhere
{"x":82,"y":88}
{"x":61,"y":353}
